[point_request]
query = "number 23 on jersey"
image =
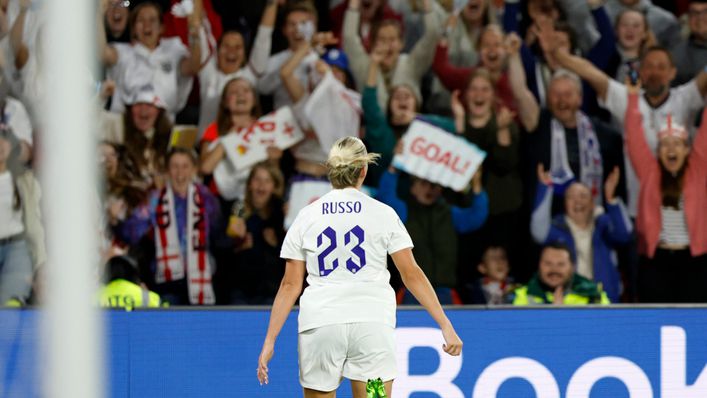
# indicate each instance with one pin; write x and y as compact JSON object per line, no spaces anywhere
{"x":327,"y":242}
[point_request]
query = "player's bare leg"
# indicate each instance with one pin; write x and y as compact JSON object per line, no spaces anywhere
{"x":309,"y":393}
{"x":359,"y":388}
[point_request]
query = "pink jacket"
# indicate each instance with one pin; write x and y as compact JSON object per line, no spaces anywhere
{"x":647,"y":167}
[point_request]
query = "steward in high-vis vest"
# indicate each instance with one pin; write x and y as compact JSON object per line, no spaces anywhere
{"x":123,"y":288}
{"x":557,"y":283}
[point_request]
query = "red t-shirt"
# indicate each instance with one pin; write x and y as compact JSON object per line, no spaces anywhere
{"x":210,"y":134}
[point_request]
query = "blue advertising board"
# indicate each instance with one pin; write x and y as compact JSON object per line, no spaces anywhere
{"x":509,"y":353}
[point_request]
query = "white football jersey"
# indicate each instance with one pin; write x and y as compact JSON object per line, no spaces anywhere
{"x":344,"y":238}
{"x":138,"y":66}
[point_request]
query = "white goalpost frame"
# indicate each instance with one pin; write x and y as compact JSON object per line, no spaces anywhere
{"x":71,"y":358}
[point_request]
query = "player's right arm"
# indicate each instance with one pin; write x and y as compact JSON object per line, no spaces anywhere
{"x":418,"y":284}
{"x":290,"y":289}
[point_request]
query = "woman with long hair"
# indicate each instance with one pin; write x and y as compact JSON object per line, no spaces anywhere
{"x":259,"y":233}
{"x":125,"y":194}
{"x":230,"y":60}
{"x":146,"y":131}
{"x":481,"y":120}
{"x":672,"y":208}
{"x":238,"y":111}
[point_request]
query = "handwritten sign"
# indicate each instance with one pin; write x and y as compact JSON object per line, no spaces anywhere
{"x":438,"y":156}
{"x":249,"y":146}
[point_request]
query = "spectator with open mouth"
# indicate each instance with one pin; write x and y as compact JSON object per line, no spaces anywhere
{"x":491,"y":128}
{"x":396,"y":67}
{"x":116,"y":20}
{"x":385,"y":128}
{"x":499,"y":55}
{"x":672,"y":208}
{"x":164,"y":63}
{"x":462,"y":31}
{"x":300,"y":21}
{"x":591,"y":233}
{"x":144,"y":129}
{"x":229,"y":60}
{"x":238,"y":110}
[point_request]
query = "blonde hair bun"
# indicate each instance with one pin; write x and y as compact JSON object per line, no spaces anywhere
{"x":347,"y":157}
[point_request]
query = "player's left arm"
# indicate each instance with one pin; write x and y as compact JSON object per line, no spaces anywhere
{"x":290,"y":290}
{"x":415,"y":280}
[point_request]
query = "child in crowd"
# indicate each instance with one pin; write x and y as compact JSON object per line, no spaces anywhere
{"x":495,"y":286}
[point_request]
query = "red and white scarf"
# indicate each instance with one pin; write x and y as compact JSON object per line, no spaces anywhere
{"x":170,"y":264}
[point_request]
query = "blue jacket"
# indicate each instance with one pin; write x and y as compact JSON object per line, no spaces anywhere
{"x":610,"y":229}
{"x":465,"y":219}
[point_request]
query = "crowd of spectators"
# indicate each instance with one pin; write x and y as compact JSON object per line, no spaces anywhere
{"x":593,"y":189}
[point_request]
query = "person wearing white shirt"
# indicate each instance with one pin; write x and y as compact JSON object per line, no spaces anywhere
{"x":228,"y":61}
{"x":19,"y":205}
{"x":14,"y":115}
{"x":309,"y":154}
{"x":24,"y":52}
{"x":164,"y":63}
{"x":658,"y":99}
{"x":347,"y":312}
{"x":300,"y":22}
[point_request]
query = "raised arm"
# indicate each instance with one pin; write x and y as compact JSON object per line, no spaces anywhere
{"x":423,"y":52}
{"x":19,"y":48}
{"x":260,"y":53}
{"x":292,"y":84}
{"x":699,"y":145}
{"x":528,"y":108}
{"x":605,"y":47}
{"x":415,"y":280}
{"x":596,"y":78}
{"x":353,"y":47}
{"x":192,"y":64}
{"x":294,"y":87}
{"x":701,"y":81}
{"x":453,"y":78}
{"x":620,"y":226}
{"x":4,"y":24}
{"x":290,"y":290}
{"x":637,"y":147}
{"x":108,"y":54}
{"x":541,"y":218}
{"x":373,"y":115}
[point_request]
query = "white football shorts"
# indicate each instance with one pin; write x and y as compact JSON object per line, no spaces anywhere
{"x":357,"y":351}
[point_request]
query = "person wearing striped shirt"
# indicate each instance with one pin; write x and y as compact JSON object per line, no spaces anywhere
{"x":672,"y":208}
